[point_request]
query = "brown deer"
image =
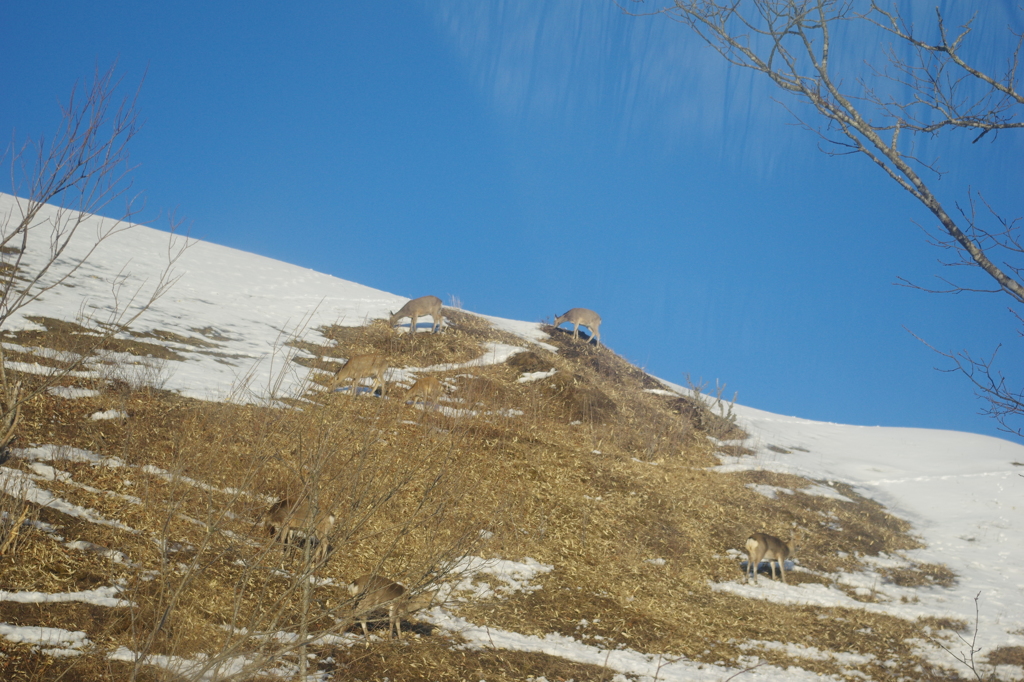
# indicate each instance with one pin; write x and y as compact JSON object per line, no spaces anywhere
{"x":374,"y":592}
{"x":426,"y":389}
{"x":417,"y":308}
{"x":578,"y":316}
{"x":358,"y":367}
{"x":288,"y":521}
{"x":761,"y":546}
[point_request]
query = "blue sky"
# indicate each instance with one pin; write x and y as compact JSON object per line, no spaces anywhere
{"x":532,"y":157}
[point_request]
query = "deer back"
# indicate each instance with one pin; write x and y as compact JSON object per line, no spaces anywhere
{"x":588,"y":318}
{"x":418,"y":307}
{"x":764,"y":546}
{"x":374,"y":591}
{"x":427,"y":388}
{"x":359,"y":366}
{"x":288,"y":514}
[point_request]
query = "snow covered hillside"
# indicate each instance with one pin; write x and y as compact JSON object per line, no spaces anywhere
{"x":963,"y":493}
{"x":245,"y":304}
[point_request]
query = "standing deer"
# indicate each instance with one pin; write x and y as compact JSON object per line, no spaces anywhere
{"x":762,"y":546}
{"x":417,"y":308}
{"x":290,"y":520}
{"x":578,"y":316}
{"x":425,"y":389}
{"x":377,"y":592}
{"x":371,"y":365}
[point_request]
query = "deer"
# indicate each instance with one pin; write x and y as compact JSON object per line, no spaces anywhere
{"x":374,"y":592}
{"x":425,"y":389}
{"x":371,"y":365}
{"x":417,"y":308}
{"x":578,"y":316}
{"x":289,"y":520}
{"x":761,"y":546}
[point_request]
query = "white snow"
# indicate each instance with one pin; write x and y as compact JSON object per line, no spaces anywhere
{"x":72,"y":392}
{"x":101,"y":596}
{"x":58,"y":642}
{"x":512,"y":576}
{"x":201,"y":667}
{"x":771,"y":491}
{"x":108,"y":414}
{"x":17,"y":483}
{"x":527,"y":377}
{"x":645,"y":666}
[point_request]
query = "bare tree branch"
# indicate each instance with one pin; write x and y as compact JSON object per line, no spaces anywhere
{"x":82,"y":170}
{"x":926,"y":85}
{"x":59,"y":186}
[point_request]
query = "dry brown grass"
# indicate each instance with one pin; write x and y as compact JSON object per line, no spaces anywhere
{"x":461,"y":340}
{"x":584,"y":470}
{"x":436,"y":658}
{"x":1006,"y":655}
{"x":75,"y":338}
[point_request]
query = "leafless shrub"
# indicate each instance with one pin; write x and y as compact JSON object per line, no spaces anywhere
{"x":133,"y":372}
{"x":399,"y":508}
{"x":60,"y":184}
{"x":14,"y":510}
{"x":713,"y":414}
{"x":966,"y":657}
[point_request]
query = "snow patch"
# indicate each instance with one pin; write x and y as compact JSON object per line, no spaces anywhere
{"x":72,"y":392}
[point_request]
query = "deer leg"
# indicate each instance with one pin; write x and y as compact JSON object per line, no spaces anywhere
{"x":281,"y":537}
{"x":286,"y":537}
{"x":757,"y":565}
{"x":366,"y":631}
{"x":322,"y":549}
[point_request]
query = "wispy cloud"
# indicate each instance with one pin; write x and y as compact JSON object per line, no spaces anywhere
{"x":585,"y":62}
{"x":588,"y":63}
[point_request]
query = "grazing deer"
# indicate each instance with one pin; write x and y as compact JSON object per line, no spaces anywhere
{"x":377,"y":592}
{"x":762,"y":546}
{"x":426,"y":389}
{"x":417,"y":308}
{"x":578,"y":316}
{"x":371,"y":365}
{"x":290,"y":520}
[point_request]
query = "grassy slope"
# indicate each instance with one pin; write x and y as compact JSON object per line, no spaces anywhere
{"x":588,"y":472}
